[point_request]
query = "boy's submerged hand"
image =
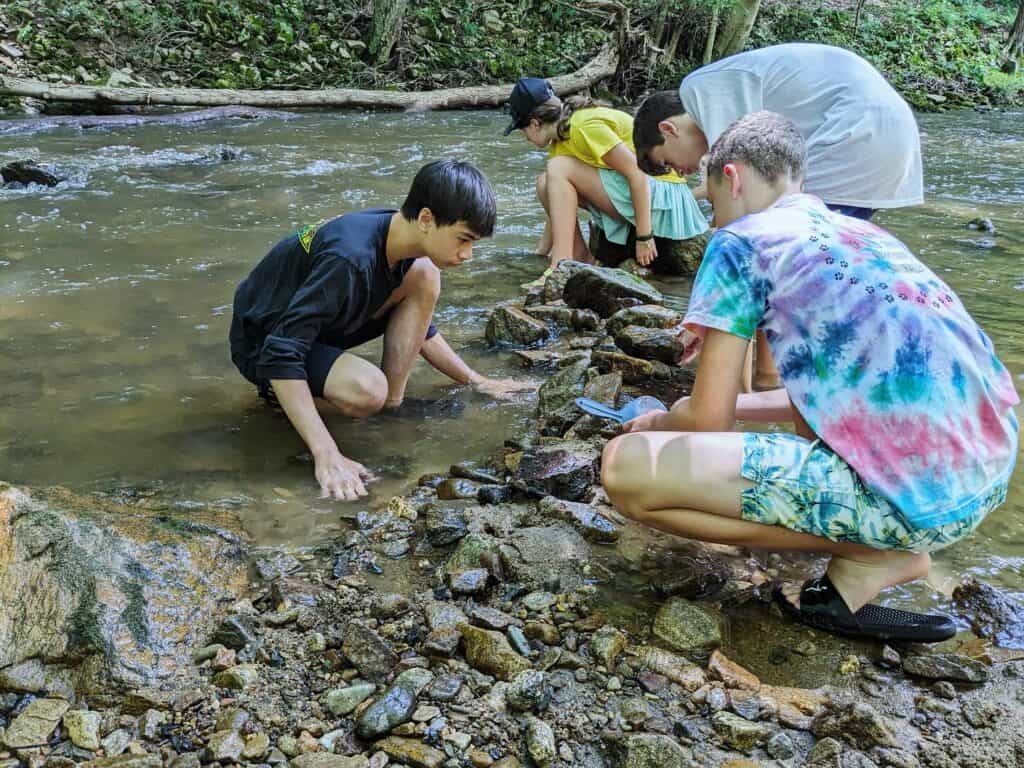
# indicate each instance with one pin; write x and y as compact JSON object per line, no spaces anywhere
{"x":503,"y":389}
{"x":341,"y":478}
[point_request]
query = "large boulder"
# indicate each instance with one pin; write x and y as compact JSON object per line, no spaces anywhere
{"x":606,"y":291}
{"x":99,"y":597}
{"x":675,"y":257}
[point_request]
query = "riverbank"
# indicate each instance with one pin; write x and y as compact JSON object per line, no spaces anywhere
{"x":939,"y":53}
{"x":500,"y":648}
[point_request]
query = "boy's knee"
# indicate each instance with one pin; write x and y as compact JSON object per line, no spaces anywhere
{"x":424,"y":280}
{"x":364,"y":395}
{"x":625,"y":471}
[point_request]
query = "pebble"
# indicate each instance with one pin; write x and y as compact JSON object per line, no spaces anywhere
{"x":459,"y":739}
{"x":780,"y":746}
{"x":425,"y":713}
{"x":565,"y":752}
{"x":519,"y":642}
{"x":944,"y":689}
{"x":613,"y":684}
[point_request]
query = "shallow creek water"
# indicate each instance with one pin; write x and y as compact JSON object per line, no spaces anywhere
{"x":116,"y":288}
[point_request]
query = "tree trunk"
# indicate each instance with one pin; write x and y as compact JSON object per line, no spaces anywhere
{"x":736,"y":29}
{"x":709,"y":46}
{"x":1015,"y":45}
{"x":387,"y":25}
{"x":600,"y":67}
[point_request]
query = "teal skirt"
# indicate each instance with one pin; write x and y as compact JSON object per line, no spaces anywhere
{"x":675,"y":214}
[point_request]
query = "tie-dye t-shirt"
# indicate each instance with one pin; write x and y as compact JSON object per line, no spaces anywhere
{"x":876,"y":352}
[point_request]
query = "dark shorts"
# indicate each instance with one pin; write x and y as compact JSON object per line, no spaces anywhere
{"x":853,"y":211}
{"x":321,"y":357}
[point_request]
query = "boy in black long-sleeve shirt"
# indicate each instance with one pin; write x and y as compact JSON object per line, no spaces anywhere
{"x":327,"y":289}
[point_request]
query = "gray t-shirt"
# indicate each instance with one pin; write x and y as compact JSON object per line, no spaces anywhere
{"x":863,"y":146}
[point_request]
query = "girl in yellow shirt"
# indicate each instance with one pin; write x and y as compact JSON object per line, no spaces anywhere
{"x":592,"y":164}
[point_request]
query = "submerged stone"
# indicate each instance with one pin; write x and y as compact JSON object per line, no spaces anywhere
{"x":688,"y":628}
{"x":946,"y":666}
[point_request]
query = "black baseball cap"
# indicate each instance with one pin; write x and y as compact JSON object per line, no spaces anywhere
{"x":528,"y":94}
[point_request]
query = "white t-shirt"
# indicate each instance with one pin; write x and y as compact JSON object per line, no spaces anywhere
{"x":863,"y":146}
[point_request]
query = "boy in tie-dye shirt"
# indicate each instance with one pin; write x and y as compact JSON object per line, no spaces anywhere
{"x":905,"y":430}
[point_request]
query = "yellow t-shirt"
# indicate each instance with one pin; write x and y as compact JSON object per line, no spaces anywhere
{"x":596,"y":131}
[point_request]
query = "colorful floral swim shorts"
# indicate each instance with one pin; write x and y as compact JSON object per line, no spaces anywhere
{"x":802,"y":485}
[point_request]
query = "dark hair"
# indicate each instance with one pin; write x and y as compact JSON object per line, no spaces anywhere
{"x":659,"y":106}
{"x":556,"y":111}
{"x":766,"y":141}
{"x":453,"y":191}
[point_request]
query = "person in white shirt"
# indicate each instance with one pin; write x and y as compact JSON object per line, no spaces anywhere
{"x":863,"y":144}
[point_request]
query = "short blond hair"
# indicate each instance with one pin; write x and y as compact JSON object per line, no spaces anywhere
{"x":766,"y":141}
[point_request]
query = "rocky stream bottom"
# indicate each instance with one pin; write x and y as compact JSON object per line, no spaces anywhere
{"x":136,"y":634}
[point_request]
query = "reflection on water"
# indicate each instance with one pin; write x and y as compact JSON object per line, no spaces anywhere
{"x":115,"y":293}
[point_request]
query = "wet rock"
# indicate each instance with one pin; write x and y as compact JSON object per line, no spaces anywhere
{"x":555,"y":399}
{"x":981,"y":713}
{"x":585,"y":320}
{"x":738,"y":733}
{"x":732,"y":674}
{"x":606,"y":291}
{"x":327,"y":760}
{"x":442,"y":615}
{"x":546,"y":633}
{"x":390,"y":606}
{"x":489,"y":652}
{"x":511,"y":325}
{"x":445,"y":524}
{"x":159,"y":576}
{"x":541,"y":556}
{"x":946,"y":666}
{"x":235,"y":632}
{"x":35,"y":723}
{"x":982,"y":225}
{"x":584,"y":518}
{"x":540,"y":742}
{"x":529,"y":691}
{"x":472,"y":470}
{"x":442,"y":642}
{"x":232,"y":719}
{"x":395,"y":706}
{"x":688,"y":628}
{"x":83,"y":729}
{"x":411,"y":752}
{"x":469,"y":551}
{"x":634,"y":710}
{"x":237,"y":678}
{"x":825,"y":754}
{"x":636,"y":371}
{"x":605,"y":388}
{"x":859,"y":724}
{"x":549,"y":358}
{"x":780,"y":746}
{"x":993,"y":613}
{"x":28,"y":172}
{"x":490,"y":618}
{"x":469,"y":582}
{"x":651,"y":316}
{"x":606,"y":644}
{"x":256,"y":746}
{"x":675,"y":668}
{"x":554,"y":286}
{"x":647,"y":750}
{"x":650,"y":344}
{"x":368,"y":651}
{"x":116,"y":742}
{"x":557,"y":316}
{"x":224,"y":747}
{"x":562,"y":469}
{"x":343,"y":701}
{"x":444,"y":687}
{"x":275,"y":565}
{"x":457,"y":488}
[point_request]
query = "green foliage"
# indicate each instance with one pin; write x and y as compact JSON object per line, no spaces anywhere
{"x":950,"y":49}
{"x":934,"y":51}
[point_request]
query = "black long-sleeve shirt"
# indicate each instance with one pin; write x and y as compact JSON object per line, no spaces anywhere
{"x":320,"y":284}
